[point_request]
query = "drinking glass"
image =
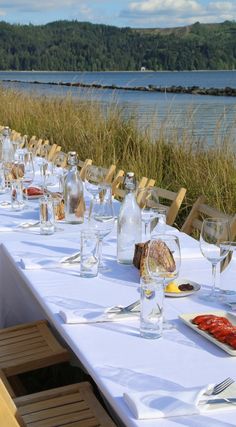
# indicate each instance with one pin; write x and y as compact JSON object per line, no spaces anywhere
{"x":17,"y":201}
{"x":47,"y":220}
{"x":163,"y":261}
{"x":101,"y":218}
{"x":89,"y":254}
{"x":151,"y":308}
{"x":94,"y":178}
{"x":214,"y":245}
{"x":28,"y":176}
{"x":148,"y":201}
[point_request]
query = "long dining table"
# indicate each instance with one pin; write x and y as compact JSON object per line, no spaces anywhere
{"x":113,"y":353}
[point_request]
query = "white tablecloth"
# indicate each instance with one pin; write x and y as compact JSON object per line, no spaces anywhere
{"x":114,"y":354}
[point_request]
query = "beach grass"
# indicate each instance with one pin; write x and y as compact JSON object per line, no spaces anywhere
{"x":103,"y":134}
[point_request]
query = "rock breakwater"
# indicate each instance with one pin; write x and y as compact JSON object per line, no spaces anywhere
{"x":194,"y":90}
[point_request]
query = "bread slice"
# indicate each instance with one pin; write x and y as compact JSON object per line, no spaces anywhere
{"x":160,"y":255}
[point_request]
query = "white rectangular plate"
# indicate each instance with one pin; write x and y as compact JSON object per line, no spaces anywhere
{"x":187,"y":319}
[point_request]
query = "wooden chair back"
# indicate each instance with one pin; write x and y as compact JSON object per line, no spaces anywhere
{"x":201,"y":210}
{"x":34,"y":145}
{"x":164,"y":198}
{"x":82,"y":166}
{"x":9,"y":416}
{"x":54,"y":149}
{"x":117,"y":185}
{"x":98,"y":172}
{"x":60,"y":159}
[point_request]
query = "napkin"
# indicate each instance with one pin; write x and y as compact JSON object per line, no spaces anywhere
{"x":37,"y":262}
{"x":94,"y":315}
{"x":5,"y":228}
{"x":164,"y":404}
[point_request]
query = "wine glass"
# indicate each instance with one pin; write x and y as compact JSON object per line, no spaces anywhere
{"x":94,"y":178}
{"x":214,"y":245}
{"x":163,"y":261}
{"x":151,"y":209}
{"x":101,"y":218}
{"x":28,"y":176}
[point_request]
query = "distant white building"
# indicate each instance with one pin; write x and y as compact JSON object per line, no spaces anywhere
{"x":143,"y":68}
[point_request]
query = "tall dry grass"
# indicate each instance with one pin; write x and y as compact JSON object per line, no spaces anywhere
{"x":106,"y":137}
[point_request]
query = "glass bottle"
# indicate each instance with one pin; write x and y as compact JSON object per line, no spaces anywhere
{"x":7,"y":146}
{"x":73,"y":192}
{"x":129,"y":224}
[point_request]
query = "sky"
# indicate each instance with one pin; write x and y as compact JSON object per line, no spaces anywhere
{"x":121,"y":13}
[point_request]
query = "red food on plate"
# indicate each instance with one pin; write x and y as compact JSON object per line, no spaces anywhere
{"x":218,"y":326}
{"x":206,"y":324}
{"x":231,"y":339}
{"x":222,"y":334}
{"x":34,"y":191}
{"x":201,"y":317}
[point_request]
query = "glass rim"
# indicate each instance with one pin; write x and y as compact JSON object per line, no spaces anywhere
{"x":215,"y":219}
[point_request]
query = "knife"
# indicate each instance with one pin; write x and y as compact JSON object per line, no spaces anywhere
{"x":221,"y":400}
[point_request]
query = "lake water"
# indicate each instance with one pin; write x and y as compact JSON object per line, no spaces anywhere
{"x":195,"y":114}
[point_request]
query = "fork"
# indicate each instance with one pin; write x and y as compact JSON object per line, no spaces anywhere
{"x":28,"y":224}
{"x":71,"y":259}
{"x":218,"y":388}
{"x":120,"y":309}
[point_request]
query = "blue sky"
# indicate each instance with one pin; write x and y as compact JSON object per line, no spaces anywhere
{"x":132,"y":13}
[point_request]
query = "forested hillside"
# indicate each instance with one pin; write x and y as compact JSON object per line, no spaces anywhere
{"x":72,"y":45}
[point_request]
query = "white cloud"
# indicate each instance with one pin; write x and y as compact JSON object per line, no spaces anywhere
{"x":150,"y":6}
{"x":177,"y":12}
{"x":35,"y":6}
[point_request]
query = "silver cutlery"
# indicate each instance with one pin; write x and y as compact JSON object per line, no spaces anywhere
{"x":231,"y":400}
{"x":28,"y":224}
{"x":119,"y":309}
{"x":218,"y":388}
{"x":75,"y":258}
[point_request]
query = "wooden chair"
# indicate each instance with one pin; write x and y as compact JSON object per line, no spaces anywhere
{"x":201,"y":210}
{"x":74,"y":405}
{"x":119,"y":192}
{"x":34,"y":145}
{"x":60,"y":159}
{"x":82,"y":166}
{"x":97,"y":173}
{"x":28,"y":347}
{"x":163,"y":198}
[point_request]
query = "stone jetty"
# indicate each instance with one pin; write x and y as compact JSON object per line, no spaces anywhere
{"x":194,"y":90}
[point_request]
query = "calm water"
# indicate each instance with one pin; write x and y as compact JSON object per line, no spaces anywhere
{"x":195,"y":114}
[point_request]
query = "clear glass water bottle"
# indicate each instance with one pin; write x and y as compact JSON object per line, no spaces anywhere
{"x":7,"y":146}
{"x":129,"y":225}
{"x":73,"y":192}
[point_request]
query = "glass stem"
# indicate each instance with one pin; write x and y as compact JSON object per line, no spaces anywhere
{"x":213,"y":290}
{"x":100,"y":252}
{"x":145,"y":228}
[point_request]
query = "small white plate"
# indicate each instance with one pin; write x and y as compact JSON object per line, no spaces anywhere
{"x":181,"y":294}
{"x":188,"y":317}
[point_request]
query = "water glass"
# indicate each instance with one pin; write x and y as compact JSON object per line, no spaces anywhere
{"x":59,"y":209}
{"x":151,"y":311}
{"x":89,"y":253}
{"x":47,"y":220}
{"x":158,"y":224}
{"x":2,"y":179}
{"x":17,"y":200}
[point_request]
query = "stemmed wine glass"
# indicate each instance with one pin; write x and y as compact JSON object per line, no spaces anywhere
{"x":163,"y":261}
{"x":215,"y":246}
{"x":101,"y":218}
{"x":94,"y":178}
{"x":28,"y":170}
{"x":153,"y":213}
